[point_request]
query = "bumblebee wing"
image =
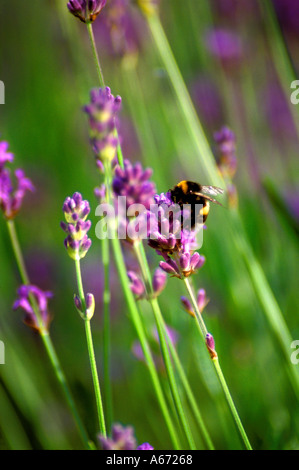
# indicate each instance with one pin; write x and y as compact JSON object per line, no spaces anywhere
{"x":211,"y":190}
{"x":209,"y":198}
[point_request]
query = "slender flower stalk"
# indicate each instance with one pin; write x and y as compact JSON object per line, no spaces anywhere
{"x":211,"y":348}
{"x":77,"y":243}
{"x":45,"y":336}
{"x":165,"y":344}
{"x":91,"y":352}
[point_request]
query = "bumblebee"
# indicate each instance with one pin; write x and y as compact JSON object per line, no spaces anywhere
{"x":188,"y":192}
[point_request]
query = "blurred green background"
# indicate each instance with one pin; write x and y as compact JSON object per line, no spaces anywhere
{"x":48,"y":71}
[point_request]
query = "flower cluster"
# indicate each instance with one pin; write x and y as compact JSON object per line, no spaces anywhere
{"x":102,"y":111}
{"x":176,"y":245}
{"x":28,"y":296}
{"x":138,"y":288}
{"x":86,"y":10}
{"x":133,"y":183}
{"x":122,"y":438}
{"x":76,"y":226}
{"x":11,"y":198}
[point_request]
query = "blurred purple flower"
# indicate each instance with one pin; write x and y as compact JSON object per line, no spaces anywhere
{"x":278,"y":114}
{"x":41,"y":298}
{"x":121,"y":29}
{"x":86,"y":10}
{"x":122,"y":439}
{"x":226,"y":151}
{"x":11,"y":199}
{"x":76,"y":226}
{"x":207,"y":101}
{"x":102,"y":112}
{"x":288,"y":15}
{"x":225,"y":45}
{"x":5,"y":156}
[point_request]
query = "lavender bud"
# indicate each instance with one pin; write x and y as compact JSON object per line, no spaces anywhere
{"x":159,"y":281}
{"x":211,"y":345}
{"x":187,"y":306}
{"x":86,"y":10}
{"x":90,"y":306}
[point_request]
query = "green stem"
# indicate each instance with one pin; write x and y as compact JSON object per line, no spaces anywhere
{"x":45,"y":336}
{"x":231,"y":404}
{"x":143,"y":263}
{"x":107,"y":333}
{"x":122,"y":271}
{"x":95,"y":54}
{"x":91,"y":353}
{"x":121,"y":267}
{"x":203,"y":330}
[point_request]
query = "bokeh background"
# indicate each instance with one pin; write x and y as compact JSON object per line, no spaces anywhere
{"x":238,"y":65}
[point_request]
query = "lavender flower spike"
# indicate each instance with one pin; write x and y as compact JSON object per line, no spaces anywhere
{"x":41,"y":298}
{"x":132,"y":181}
{"x":102,"y":112}
{"x":86,"y":10}
{"x":76,"y":226}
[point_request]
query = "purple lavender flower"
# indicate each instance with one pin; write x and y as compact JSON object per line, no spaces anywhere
{"x":5,"y":156}
{"x":86,"y":10}
{"x":226,"y":143}
{"x":166,"y":236}
{"x":145,"y":446}
{"x":11,"y":199}
{"x":122,"y":439}
{"x":132,"y":181}
{"x":76,"y":211}
{"x":102,"y":112}
{"x":25,"y":302}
